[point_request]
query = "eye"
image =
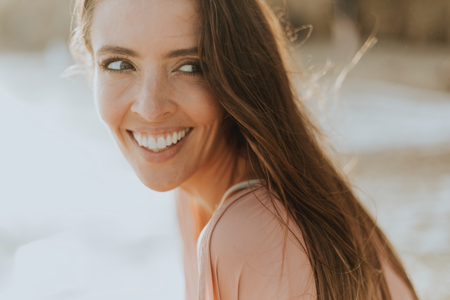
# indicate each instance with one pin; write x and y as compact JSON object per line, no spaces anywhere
{"x":191,"y":68}
{"x":120,"y":65}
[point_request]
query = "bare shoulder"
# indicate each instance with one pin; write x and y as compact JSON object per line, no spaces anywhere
{"x":248,"y":248}
{"x":249,"y":223}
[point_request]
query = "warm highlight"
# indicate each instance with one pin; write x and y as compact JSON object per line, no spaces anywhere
{"x":243,"y":56}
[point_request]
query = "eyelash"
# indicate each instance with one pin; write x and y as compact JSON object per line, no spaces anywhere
{"x":194,"y":63}
{"x":104,"y":65}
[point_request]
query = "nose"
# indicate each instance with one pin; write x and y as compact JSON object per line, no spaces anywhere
{"x":152,"y":99}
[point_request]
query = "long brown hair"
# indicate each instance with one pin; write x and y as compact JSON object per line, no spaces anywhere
{"x":243,"y":56}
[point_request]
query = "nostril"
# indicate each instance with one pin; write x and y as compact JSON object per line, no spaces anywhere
{"x":153,"y":110}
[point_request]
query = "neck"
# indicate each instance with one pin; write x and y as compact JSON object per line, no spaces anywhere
{"x":209,"y":184}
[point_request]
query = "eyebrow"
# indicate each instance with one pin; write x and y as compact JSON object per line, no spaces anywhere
{"x":128,"y":52}
{"x":182,"y":52}
{"x":116,"y":50}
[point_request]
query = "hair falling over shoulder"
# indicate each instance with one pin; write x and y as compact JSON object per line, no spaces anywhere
{"x":244,"y":59}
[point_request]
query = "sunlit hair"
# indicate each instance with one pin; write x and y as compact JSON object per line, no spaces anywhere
{"x":243,"y":55}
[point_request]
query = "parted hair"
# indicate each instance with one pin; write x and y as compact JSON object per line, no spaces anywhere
{"x":244,"y":57}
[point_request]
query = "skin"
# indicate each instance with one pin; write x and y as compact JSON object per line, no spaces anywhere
{"x":157,"y":93}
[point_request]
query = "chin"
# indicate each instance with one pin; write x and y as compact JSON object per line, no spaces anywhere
{"x":158,"y":183}
{"x":160,"y":188}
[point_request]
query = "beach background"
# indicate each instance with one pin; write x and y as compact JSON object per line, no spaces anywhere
{"x":76,"y":223}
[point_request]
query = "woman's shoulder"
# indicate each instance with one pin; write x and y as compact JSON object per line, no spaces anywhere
{"x":248,"y":247}
{"x":246,"y":219}
{"x":253,"y":220}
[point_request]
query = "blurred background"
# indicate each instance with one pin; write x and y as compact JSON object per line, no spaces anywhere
{"x":75,"y":222}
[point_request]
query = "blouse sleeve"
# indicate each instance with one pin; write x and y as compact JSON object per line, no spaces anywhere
{"x":250,"y":260}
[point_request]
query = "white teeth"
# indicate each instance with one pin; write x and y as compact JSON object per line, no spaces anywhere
{"x":152,"y":143}
{"x":144,"y":142}
{"x":161,"y":142}
{"x":174,"y":138}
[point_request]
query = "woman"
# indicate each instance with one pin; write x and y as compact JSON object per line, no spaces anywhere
{"x":198,"y":96}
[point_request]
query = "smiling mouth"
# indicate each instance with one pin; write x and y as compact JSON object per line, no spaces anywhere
{"x":161,"y":142}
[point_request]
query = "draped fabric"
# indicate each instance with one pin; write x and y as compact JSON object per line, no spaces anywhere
{"x":244,"y":257}
{"x":246,"y":252}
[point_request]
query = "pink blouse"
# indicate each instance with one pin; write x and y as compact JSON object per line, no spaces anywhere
{"x":240,"y":254}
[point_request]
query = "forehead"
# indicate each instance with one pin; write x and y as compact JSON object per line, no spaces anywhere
{"x":145,"y":25}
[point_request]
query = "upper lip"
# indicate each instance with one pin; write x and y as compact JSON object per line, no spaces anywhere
{"x":157,"y":131}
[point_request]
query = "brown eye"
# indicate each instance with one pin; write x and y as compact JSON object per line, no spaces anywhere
{"x":191,"y":68}
{"x":120,"y":65}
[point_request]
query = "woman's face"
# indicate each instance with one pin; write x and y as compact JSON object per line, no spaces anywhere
{"x":150,"y":90}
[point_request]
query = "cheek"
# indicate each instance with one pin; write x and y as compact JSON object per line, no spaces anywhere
{"x":207,"y":114}
{"x":204,"y":108}
{"x":111,"y":100}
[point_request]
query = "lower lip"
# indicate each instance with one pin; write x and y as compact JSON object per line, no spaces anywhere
{"x":162,"y":156}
